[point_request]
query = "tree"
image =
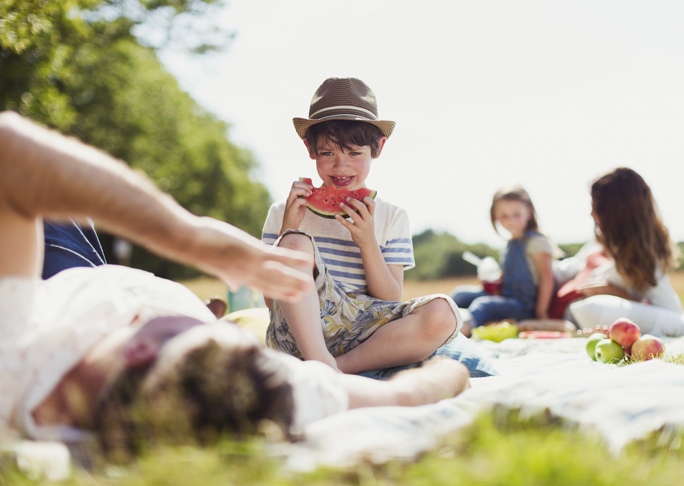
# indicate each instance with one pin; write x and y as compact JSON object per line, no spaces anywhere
{"x":75,"y":65}
{"x":440,"y":255}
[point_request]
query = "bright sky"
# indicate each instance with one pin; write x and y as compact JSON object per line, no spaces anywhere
{"x":485,"y":94}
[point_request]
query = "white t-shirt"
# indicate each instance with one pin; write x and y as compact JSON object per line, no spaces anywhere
{"x":47,"y":326}
{"x":662,"y":295}
{"x":340,"y":254}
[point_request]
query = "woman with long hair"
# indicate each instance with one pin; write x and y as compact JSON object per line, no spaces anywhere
{"x":627,"y":275}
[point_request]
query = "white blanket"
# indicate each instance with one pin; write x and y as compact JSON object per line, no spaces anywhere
{"x":621,"y":404}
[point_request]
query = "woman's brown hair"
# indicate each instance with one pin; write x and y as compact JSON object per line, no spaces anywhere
{"x":515,"y":193}
{"x":629,"y":227}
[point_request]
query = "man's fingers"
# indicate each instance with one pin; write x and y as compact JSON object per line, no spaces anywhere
{"x":291,"y":258}
{"x":283,"y":282}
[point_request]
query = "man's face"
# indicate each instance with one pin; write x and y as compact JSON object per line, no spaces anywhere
{"x":145,"y":344}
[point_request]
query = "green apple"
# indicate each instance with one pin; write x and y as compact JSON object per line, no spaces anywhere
{"x":591,"y":344}
{"x":608,"y":351}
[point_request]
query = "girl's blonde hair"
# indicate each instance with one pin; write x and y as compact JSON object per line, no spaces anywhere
{"x":629,"y":227}
{"x":515,"y":193}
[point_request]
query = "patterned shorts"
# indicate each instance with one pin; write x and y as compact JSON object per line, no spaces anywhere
{"x":347,"y":318}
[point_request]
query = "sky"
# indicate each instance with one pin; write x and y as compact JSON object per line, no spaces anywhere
{"x":485,"y":94}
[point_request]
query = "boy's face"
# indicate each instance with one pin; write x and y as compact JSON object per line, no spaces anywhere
{"x":341,"y":167}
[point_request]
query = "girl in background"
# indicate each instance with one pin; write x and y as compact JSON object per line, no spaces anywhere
{"x":527,"y":282}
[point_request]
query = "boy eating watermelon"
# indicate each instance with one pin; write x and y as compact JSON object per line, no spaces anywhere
{"x":354,"y":320}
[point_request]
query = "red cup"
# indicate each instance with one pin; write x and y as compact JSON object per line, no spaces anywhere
{"x":492,"y":287}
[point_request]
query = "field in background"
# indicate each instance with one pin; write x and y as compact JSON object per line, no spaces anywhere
{"x":206,"y":287}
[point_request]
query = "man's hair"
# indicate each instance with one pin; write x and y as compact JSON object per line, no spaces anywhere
{"x":629,"y":227}
{"x":344,"y":133}
{"x":201,"y":394}
{"x":514,"y":193}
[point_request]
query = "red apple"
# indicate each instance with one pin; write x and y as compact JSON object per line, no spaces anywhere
{"x":647,"y":347}
{"x":624,"y":332}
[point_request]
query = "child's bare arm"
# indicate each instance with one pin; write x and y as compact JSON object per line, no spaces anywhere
{"x":295,"y":207}
{"x":543,"y":264}
{"x":384,"y":281}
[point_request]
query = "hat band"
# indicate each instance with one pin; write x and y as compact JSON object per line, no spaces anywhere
{"x":372,"y":115}
{"x":351,"y":115}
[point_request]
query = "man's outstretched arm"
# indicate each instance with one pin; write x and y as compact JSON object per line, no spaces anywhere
{"x":43,"y":173}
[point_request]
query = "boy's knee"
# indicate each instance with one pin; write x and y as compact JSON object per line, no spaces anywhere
{"x":438,"y":318}
{"x":297,"y":241}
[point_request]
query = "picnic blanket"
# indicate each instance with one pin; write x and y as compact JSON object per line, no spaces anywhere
{"x":620,"y":404}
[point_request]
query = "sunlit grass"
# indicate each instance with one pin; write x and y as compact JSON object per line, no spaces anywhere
{"x":206,"y":287}
{"x":499,"y":449}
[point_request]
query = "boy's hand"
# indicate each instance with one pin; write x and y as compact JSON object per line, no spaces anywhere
{"x":362,"y":225}
{"x":295,"y":206}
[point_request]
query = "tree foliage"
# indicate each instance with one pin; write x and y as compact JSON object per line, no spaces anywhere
{"x":440,"y":255}
{"x":76,"y":66}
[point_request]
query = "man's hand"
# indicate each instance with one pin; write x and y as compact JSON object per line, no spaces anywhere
{"x":43,"y":173}
{"x":295,"y":206}
{"x":362,"y":225}
{"x":238,"y":258}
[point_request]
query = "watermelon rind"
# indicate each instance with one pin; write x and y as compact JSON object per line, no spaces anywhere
{"x":326,"y":214}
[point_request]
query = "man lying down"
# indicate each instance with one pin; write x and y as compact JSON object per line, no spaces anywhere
{"x":123,"y":353}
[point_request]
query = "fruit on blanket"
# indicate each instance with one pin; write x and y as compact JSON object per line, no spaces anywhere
{"x":647,"y":347}
{"x":624,"y":332}
{"x":608,"y":351}
{"x":496,"y":332}
{"x":325,"y":200}
{"x":591,"y":344}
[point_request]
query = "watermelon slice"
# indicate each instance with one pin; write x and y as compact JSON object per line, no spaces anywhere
{"x":325,"y":201}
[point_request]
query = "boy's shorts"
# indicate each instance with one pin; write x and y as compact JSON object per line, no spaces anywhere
{"x":348,"y":318}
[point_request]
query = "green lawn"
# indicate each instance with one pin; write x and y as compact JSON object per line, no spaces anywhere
{"x":498,"y":449}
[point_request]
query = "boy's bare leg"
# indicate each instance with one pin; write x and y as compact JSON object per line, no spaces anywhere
{"x":437,"y":379}
{"x":404,"y":341}
{"x":304,"y":317}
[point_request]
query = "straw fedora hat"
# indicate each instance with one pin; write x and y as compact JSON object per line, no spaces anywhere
{"x":343,"y":99}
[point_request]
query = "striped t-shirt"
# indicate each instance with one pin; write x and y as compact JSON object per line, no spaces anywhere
{"x":341,"y":255}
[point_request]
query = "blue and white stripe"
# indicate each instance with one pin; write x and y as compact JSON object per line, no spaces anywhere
{"x":340,"y":254}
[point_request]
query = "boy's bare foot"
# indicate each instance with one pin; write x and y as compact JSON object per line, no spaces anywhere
{"x":439,"y":378}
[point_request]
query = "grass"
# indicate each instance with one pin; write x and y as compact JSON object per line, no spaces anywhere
{"x":206,"y":287}
{"x":499,"y":449}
